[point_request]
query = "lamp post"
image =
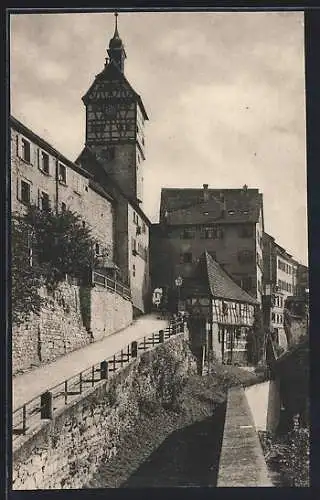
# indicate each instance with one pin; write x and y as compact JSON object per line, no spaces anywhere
{"x":178,"y":282}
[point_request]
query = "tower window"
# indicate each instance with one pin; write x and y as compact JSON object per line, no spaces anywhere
{"x":133,"y":270}
{"x":26,"y":150}
{"x":97,"y":249}
{"x":25,"y":192}
{"x":63,"y":206}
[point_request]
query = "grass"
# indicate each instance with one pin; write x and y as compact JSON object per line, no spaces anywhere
{"x":197,"y":401}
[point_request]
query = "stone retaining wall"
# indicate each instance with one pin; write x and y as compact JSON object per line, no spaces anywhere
{"x":67,"y":451}
{"x":72,"y":318}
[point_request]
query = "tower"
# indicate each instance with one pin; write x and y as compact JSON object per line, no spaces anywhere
{"x":115,"y":118}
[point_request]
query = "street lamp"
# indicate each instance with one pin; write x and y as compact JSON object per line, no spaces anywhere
{"x":178,"y":282}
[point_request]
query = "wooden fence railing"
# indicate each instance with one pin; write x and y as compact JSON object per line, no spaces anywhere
{"x":44,"y":405}
{"x":110,"y":284}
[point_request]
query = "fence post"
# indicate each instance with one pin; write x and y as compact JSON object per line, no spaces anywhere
{"x":24,"y":419}
{"x":104,"y":370}
{"x":161,"y":336}
{"x":65,"y":392}
{"x":134,"y":349}
{"x":46,"y":405}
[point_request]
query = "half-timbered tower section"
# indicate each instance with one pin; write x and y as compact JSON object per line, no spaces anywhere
{"x":115,"y":118}
{"x":113,"y":154}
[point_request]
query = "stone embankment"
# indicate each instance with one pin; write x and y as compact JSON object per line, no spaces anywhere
{"x":67,"y":451}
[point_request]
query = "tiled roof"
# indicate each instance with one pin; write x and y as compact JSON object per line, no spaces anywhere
{"x":222,"y":285}
{"x":189,"y":206}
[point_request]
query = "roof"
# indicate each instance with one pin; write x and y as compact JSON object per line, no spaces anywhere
{"x":221,"y":285}
{"x":111,"y":72}
{"x":109,"y":186}
{"x":23,"y":129}
{"x":189,"y":205}
{"x":95,"y":186}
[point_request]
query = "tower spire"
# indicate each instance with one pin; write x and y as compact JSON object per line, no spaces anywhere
{"x":116,"y":24}
{"x":116,"y":50}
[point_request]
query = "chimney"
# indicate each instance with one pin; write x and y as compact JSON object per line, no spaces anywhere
{"x":205,"y":192}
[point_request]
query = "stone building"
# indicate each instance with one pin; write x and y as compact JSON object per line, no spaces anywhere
{"x":280,"y":272}
{"x":105,"y":184}
{"x":42,"y":176}
{"x":114,"y":153}
{"x":227,"y":223}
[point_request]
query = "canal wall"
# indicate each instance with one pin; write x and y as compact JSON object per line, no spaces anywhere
{"x":264,"y":403}
{"x":67,"y":450}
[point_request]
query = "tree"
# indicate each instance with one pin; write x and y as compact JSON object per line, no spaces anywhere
{"x":26,"y":274}
{"x":62,"y":243}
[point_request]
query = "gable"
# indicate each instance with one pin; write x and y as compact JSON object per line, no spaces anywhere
{"x":109,"y":84}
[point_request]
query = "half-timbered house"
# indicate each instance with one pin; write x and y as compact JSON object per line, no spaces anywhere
{"x":221,"y":314}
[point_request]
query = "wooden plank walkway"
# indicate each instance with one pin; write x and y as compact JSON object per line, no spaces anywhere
{"x":241,"y":461}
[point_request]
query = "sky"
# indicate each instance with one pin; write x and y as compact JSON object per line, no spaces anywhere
{"x":224,"y":91}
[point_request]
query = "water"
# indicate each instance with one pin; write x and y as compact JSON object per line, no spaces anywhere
{"x":187,"y":458}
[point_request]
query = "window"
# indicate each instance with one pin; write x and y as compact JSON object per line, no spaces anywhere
{"x":143,"y":141}
{"x":25,"y":192}
{"x":83,"y":224}
{"x":97,"y":249}
{"x":133,"y":270}
{"x":231,"y":212}
{"x":186,"y":258}
{"x":273,"y":317}
{"x":63,"y":207}
{"x":246,"y":283}
{"x":135,"y":218}
{"x":245,"y":257}
{"x":187,"y":233}
{"x":143,"y":227}
{"x":62,"y":174}
{"x":26,"y":150}
{"x":134,"y":246}
{"x":245,"y":231}
{"x":44,"y":162}
{"x":44,"y":201}
{"x":211,"y":232}
{"x":213,"y":254}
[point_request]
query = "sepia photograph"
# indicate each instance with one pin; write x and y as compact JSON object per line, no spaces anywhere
{"x":159,"y":249}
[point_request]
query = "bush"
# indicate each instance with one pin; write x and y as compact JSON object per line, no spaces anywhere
{"x":288,"y":455}
{"x":26,"y":274}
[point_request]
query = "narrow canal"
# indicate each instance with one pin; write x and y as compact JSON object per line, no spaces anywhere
{"x":187,"y":458}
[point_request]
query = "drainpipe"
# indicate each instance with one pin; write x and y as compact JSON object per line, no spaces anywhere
{"x":57,"y":186}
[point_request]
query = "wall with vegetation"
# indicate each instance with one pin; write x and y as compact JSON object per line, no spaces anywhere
{"x":68,"y":450}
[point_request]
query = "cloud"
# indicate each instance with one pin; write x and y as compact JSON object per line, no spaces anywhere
{"x":224,"y":92}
